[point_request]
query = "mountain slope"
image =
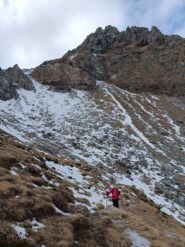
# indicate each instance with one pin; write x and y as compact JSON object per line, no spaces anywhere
{"x":45,"y":200}
{"x":38,"y":207}
{"x":137,"y":138}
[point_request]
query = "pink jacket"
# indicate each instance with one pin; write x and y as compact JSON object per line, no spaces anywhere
{"x":115,"y":193}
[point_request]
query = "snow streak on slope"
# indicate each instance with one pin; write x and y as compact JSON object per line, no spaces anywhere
{"x":128,"y":121}
{"x":120,"y":132}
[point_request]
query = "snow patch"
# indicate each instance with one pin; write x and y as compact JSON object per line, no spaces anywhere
{"x":138,"y":240}
{"x":13,"y":171}
{"x":21,"y":231}
{"x":66,"y":172}
{"x":36,"y":225}
{"x":57,"y":210}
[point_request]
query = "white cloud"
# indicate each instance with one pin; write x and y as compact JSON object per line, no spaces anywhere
{"x":36,"y":30}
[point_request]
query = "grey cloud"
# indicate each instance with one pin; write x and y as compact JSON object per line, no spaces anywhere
{"x":5,"y":3}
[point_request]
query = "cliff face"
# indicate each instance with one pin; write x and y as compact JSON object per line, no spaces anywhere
{"x":137,"y":59}
{"x":63,"y":76}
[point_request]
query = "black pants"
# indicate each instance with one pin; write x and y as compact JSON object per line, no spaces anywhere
{"x":116,"y":203}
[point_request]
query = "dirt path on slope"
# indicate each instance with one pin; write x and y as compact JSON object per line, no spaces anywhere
{"x":144,"y":219}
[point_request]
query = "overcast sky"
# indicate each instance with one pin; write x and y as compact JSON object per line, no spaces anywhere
{"x":32,"y":31}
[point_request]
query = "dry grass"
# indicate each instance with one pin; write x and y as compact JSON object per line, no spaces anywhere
{"x":148,"y":220}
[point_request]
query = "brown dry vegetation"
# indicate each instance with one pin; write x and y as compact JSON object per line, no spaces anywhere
{"x":25,"y":195}
{"x":144,"y":216}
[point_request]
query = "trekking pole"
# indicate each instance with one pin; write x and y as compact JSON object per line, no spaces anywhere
{"x":106,"y":199}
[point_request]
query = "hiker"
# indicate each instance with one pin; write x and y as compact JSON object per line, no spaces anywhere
{"x":115,"y":196}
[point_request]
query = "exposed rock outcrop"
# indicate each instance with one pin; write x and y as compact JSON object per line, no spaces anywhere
{"x":101,"y":40}
{"x":142,"y":35}
{"x":17,"y":75}
{"x":11,"y":80}
{"x":138,"y":59}
{"x":7,"y":90}
{"x":64,"y":77}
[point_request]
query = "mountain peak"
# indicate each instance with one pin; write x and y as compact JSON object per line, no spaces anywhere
{"x":101,"y":39}
{"x":107,"y":30}
{"x":16,"y":66}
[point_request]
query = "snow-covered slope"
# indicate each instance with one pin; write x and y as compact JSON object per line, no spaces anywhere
{"x":135,"y":139}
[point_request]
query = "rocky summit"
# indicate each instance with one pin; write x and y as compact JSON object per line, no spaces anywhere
{"x":109,"y":113}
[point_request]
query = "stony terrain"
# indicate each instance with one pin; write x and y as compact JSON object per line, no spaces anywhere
{"x":139,"y":138}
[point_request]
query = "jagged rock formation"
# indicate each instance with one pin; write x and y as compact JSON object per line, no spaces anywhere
{"x":11,"y":80}
{"x":137,"y":59}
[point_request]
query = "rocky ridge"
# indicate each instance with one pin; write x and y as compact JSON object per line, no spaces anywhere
{"x":137,"y":60}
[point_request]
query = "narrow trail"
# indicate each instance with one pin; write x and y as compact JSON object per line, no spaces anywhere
{"x":136,"y":239}
{"x":142,"y":222}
